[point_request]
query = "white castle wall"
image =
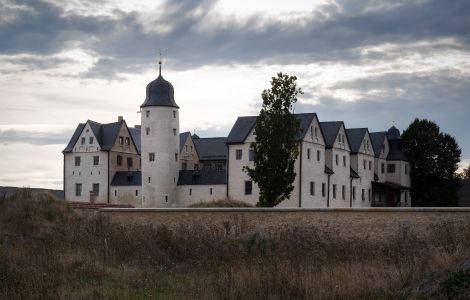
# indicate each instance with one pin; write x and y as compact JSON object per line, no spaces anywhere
{"x":191,"y":194}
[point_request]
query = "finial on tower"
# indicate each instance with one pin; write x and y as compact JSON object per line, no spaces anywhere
{"x":160,"y":62}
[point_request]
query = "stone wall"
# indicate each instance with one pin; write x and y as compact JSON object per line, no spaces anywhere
{"x":345,"y":222}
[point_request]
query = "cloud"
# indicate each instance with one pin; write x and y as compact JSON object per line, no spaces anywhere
{"x":11,"y":136}
{"x":192,"y":33}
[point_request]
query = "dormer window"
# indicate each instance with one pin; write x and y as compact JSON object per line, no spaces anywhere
{"x":91,"y":140}
{"x":83,"y":141}
{"x":121,"y":140}
{"x":316,"y":132}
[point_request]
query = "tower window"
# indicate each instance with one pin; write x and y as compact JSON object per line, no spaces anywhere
{"x":174,"y":131}
{"x":174,"y":114}
{"x":147,"y":113}
{"x":152,"y":156}
{"x":176,"y":156}
{"x":147,"y":130}
{"x":149,"y":179}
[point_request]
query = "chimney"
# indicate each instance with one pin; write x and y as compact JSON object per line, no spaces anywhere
{"x":137,"y":126}
{"x":120,"y":118}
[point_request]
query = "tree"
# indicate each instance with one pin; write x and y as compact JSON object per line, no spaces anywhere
{"x":276,"y":148}
{"x":434,"y":158}
{"x":466,"y":173}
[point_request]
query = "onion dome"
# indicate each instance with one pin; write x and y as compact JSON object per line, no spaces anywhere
{"x":393,"y":133}
{"x":160,"y":93}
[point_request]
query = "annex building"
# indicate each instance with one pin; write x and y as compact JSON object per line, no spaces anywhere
{"x":154,"y":165}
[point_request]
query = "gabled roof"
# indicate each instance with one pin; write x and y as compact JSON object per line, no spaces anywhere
{"x":377,"y":139}
{"x":127,"y":178}
{"x":355,"y":137}
{"x":105,"y":135}
{"x":183,"y":137}
{"x":211,"y":148}
{"x":330,"y":131}
{"x":74,"y":138}
{"x":353,"y":174}
{"x":243,"y":126}
{"x":396,"y":152}
{"x":135,"y":134}
{"x":202,"y":177}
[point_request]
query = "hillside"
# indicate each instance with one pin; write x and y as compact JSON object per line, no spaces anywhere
{"x":6,"y":191}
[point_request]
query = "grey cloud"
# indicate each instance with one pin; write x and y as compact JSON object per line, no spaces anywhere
{"x":442,"y":97}
{"x":11,"y":136}
{"x":334,"y":33}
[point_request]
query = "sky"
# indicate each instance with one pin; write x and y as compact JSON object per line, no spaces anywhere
{"x":369,"y":63}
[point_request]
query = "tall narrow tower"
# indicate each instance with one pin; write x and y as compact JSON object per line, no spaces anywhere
{"x":160,"y":144}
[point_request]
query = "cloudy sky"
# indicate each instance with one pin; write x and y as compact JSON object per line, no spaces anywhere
{"x":371,"y":63}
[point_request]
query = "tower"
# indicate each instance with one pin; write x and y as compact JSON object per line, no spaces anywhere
{"x":160,"y":144}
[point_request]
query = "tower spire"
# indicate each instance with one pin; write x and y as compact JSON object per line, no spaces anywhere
{"x":160,"y":63}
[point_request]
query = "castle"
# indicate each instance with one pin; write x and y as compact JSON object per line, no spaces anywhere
{"x":154,"y":165}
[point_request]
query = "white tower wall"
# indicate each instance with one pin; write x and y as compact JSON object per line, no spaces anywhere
{"x":162,"y":140}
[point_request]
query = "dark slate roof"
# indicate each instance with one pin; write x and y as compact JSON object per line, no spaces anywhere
{"x":353,"y":173}
{"x":393,"y":133}
{"x":127,"y":178}
{"x":355,"y":137}
{"x":244,"y":125}
{"x":160,"y":93}
{"x":377,"y":139}
{"x":211,"y":148}
{"x":330,"y":132}
{"x":391,"y":185}
{"x":202,"y":177}
{"x":183,"y":138}
{"x":74,"y":138}
{"x":105,"y":134}
{"x":328,"y":170}
{"x":396,"y":152}
{"x":135,"y":133}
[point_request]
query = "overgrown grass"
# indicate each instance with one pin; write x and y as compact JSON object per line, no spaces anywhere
{"x":48,"y":251}
{"x":220,"y":203}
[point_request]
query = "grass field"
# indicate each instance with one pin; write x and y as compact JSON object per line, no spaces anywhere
{"x":48,"y":251}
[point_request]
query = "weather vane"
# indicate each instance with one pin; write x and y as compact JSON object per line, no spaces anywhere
{"x":160,"y":62}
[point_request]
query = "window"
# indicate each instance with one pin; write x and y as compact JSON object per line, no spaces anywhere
{"x":406,"y":197}
{"x":406,"y":168}
{"x":344,"y":161}
{"x":219,"y":166}
{"x":90,"y":140}
{"x":191,"y":149}
{"x":308,"y":153}
{"x":391,"y":168}
{"x":210,"y":191}
{"x":238,"y":154}
{"x":119,"y":160}
{"x":147,"y":130}
{"x":152,"y":156}
{"x":166,"y":198}
{"x":190,"y":192}
{"x":311,"y":131}
{"x":370,"y":165}
{"x":251,"y":155}
{"x":121,"y":140}
{"x":382,"y":168}
{"x":96,"y":160}
{"x":83,"y":140}
{"x":323,"y":189}
{"x":149,"y":179}
{"x":147,"y":113}
{"x":186,"y":148}
{"x":316,"y":132}
{"x":78,"y":189}
{"x":115,"y":193}
{"x":129,"y":162}
{"x":196,"y":167}
{"x":354,"y":193}
{"x":334,"y":191}
{"x":184,"y":166}
{"x":248,"y":187}
{"x":136,"y":193}
{"x":363,"y":195}
{"x":128,"y":141}
{"x":174,"y":114}
{"x":96,"y":189}
{"x":343,"y":192}
{"x":77,"y":161}
{"x":318,"y":155}
{"x":365,"y":167}
{"x":174,"y":131}
{"x":312,"y":188}
{"x":176,"y":157}
{"x":369,"y":194}
{"x":337,"y":159}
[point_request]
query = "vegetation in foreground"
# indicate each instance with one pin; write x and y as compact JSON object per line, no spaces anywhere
{"x":48,"y":251}
{"x":220,"y":203}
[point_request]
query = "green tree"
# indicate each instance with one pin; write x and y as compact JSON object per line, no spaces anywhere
{"x":434,"y":158}
{"x":276,"y":147}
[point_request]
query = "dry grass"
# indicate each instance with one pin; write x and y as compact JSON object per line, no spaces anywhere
{"x":47,"y":251}
{"x":220,"y":203}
